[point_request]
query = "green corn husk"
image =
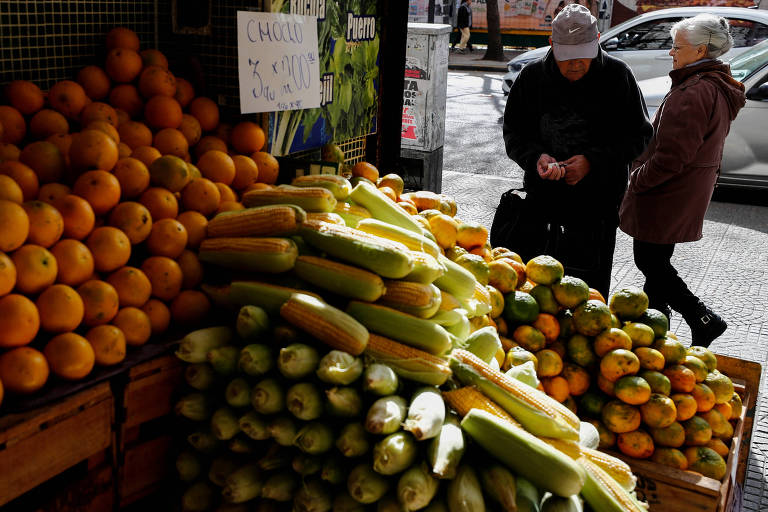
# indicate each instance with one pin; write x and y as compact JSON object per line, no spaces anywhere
{"x":221,"y":467}
{"x":386,"y":414}
{"x":194,"y":347}
{"x":527,"y":495}
{"x":255,"y":359}
{"x":344,"y":401}
{"x":297,"y":360}
{"x":484,"y":343}
{"x":306,"y":465}
{"x":313,"y":496}
{"x":188,"y":466}
{"x":204,"y":442}
{"x":198,"y":497}
{"x":464,"y":492}
{"x":394,"y":453}
{"x":380,"y":379}
{"x":353,"y":440}
{"x":267,"y":397}
{"x":238,"y":393}
{"x":283,"y":429}
{"x":194,"y":406}
{"x":343,"y":502}
{"x":365,"y":485}
{"x":305,"y":401}
{"x":254,"y":425}
{"x":276,"y":457}
{"x":436,"y":506}
{"x":333,"y":471}
{"x":389,"y":503}
{"x":224,"y":359}
{"x":241,"y":444}
{"x":339,"y":367}
{"x":243,"y":484}
{"x":552,"y":503}
{"x":224,"y":424}
{"x":280,"y":486}
{"x":498,"y":482}
{"x":416,"y":487}
{"x":200,"y":376}
{"x":314,"y":438}
{"x":252,"y":322}
{"x":445,"y":451}
{"x":426,"y":413}
{"x":525,"y":373}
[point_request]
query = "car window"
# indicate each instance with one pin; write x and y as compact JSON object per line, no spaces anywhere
{"x":747,"y":63}
{"x":747,"y":32}
{"x":651,"y":35}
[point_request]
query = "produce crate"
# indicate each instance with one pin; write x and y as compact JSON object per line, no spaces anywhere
{"x":666,"y":489}
{"x":37,"y":445}
{"x":144,"y":431}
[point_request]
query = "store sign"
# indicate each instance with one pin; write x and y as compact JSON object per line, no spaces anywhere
{"x":277,"y":62}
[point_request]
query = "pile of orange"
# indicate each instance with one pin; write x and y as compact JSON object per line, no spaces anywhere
{"x":107,"y":182}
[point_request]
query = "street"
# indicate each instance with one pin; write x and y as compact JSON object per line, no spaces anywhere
{"x":727,"y":269}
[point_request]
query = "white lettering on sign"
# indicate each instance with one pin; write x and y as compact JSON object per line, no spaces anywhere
{"x":309,"y":8}
{"x":277,"y":61}
{"x":360,"y":28}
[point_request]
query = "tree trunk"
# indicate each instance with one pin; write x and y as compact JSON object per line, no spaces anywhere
{"x":495,"y":49}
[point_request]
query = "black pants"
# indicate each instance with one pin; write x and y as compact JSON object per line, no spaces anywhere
{"x":663,"y":285}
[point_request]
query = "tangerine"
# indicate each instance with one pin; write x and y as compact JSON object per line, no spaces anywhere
{"x":75,"y":261}
{"x":100,"y":188}
{"x":159,"y":315}
{"x":132,"y":286}
{"x":36,"y":269}
{"x":111,"y":248}
{"x":108,"y":343}
{"x":19,"y":320}
{"x":23,"y":370}
{"x":68,"y":98}
{"x":100,"y":300}
{"x":133,"y":177}
{"x":94,"y":81}
{"x":46,"y":224}
{"x":15,"y":224}
{"x":61,"y":308}
{"x":135,"y":325}
{"x":77,"y":215}
{"x":133,"y":219}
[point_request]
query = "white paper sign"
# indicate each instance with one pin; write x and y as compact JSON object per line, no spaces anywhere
{"x":278,"y":62}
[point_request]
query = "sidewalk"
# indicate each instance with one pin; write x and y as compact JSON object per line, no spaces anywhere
{"x":473,"y":61}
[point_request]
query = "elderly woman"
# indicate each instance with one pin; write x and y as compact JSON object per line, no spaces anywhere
{"x":671,"y":183}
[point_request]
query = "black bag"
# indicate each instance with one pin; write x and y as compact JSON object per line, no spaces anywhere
{"x":519,"y":225}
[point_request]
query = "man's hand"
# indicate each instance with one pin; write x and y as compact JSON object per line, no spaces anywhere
{"x":548,"y":171}
{"x":576,"y":168}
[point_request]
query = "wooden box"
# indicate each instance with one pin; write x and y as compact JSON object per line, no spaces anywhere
{"x":37,"y":445}
{"x":667,"y":489}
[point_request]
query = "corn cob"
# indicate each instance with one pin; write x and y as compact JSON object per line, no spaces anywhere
{"x":456,"y":280}
{"x":416,"y":299}
{"x":262,"y":221}
{"x":408,"y":362}
{"x":448,"y":301}
{"x":447,"y":318}
{"x":615,"y":468}
{"x":425,"y":268}
{"x":426,"y":413}
{"x":326,"y":323}
{"x":382,"y":207}
{"x":603,"y":493}
{"x":525,"y":454}
{"x":339,"y":186}
{"x":384,"y":257}
{"x":536,"y":411}
{"x":408,"y":329}
{"x":413,"y":241}
{"x":464,"y":493}
{"x":329,"y":217}
{"x":463,"y":399}
{"x":270,"y":255}
{"x":484,"y":343}
{"x":241,"y":293}
{"x":311,"y":199}
{"x":341,"y":279}
{"x":351,"y":213}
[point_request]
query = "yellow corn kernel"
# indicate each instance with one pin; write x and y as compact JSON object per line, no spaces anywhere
{"x":263,"y":221}
{"x":465,"y":398}
{"x":408,"y":362}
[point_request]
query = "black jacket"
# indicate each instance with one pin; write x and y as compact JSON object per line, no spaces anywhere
{"x":464,"y":16}
{"x":601,"y":116}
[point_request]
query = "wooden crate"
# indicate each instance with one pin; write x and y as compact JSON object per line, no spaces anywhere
{"x":667,"y":489}
{"x":144,"y":433}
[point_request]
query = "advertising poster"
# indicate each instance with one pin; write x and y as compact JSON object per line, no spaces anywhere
{"x":524,"y":15}
{"x":348,"y":55}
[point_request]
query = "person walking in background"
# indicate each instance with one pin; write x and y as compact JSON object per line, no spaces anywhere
{"x":574,"y":121}
{"x":464,"y":23}
{"x":672,"y":182}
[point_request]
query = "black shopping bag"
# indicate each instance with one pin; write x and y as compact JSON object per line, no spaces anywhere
{"x":519,"y":225}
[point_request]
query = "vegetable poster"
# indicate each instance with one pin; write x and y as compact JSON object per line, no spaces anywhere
{"x":348,"y":55}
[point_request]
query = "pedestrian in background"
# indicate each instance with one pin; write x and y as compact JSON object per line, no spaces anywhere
{"x":672,"y":182}
{"x":574,"y":121}
{"x":464,"y":23}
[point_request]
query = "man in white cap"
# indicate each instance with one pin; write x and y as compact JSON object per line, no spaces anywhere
{"x":574,"y":121}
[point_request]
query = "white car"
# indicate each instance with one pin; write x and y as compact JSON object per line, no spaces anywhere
{"x":745,"y":156}
{"x":643,"y":42}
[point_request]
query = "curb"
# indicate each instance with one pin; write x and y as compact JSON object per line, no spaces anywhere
{"x":477,"y":67}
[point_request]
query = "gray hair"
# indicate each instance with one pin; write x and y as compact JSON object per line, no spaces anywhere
{"x":707,"y":29}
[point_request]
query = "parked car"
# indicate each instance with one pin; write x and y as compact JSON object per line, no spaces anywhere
{"x":745,"y":155}
{"x":643,"y":42}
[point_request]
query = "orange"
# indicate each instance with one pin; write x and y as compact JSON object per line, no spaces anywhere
{"x":209,"y":143}
{"x":159,"y":315}
{"x":24,"y":96}
{"x":23,"y":370}
{"x":191,"y":269}
{"x":223,"y":131}
{"x":550,"y":363}
{"x":611,"y":339}
{"x":146,"y":154}
{"x":133,"y":219}
{"x":122,"y":116}
{"x":77,"y":215}
{"x":94,"y":81}
{"x":719,"y":447}
{"x":502,"y":275}
{"x":725,"y":409}
{"x":671,"y":457}
{"x":92,"y":149}
{"x":529,"y":338}
{"x":617,"y":363}
{"x":659,"y":411}
{"x":108,"y":344}
{"x":160,"y":202}
{"x":196,"y":225}
{"x":106,"y":127}
{"x":577,"y":377}
{"x":185,"y":92}
{"x":548,"y":325}
{"x":605,"y":385}
{"x":167,"y":238}
{"x":70,"y":356}
{"x":46,"y":224}
{"x":672,"y":435}
{"x":100,"y":188}
{"x":190,"y":307}
{"x":75,"y":262}
{"x":226,"y":193}
{"x":135,"y":134}
{"x":190,"y":128}
{"x":165,"y":276}
{"x":122,"y":37}
{"x":23,"y":176}
{"x":619,"y":417}
{"x":247,"y":137}
{"x":170,"y":141}
{"x":36,"y":269}
{"x":389,"y":192}
{"x":632,"y":390}
{"x":246,"y":172}
{"x":704,"y":396}
{"x":15,"y":223}
{"x":8,"y":151}
{"x":45,"y":159}
{"x":685,"y":404}
{"x":8,"y":276}
{"x":152,"y":57}
{"x":98,"y":111}
{"x":162,"y":112}
{"x":100,"y":300}
{"x":206,"y":112}
{"x":698,"y":431}
{"x":48,"y":122}
{"x":123,"y":150}
{"x":471,"y":234}
{"x":10,"y":190}
{"x":135,"y":324}
{"x":123,"y":65}
{"x":269,"y":168}
{"x":201,"y":195}
{"x":157,"y":80}
{"x":683,"y":380}
{"x":61,"y":308}
{"x":61,"y":141}
{"x":132,"y":286}
{"x":68,"y":98}
{"x":19,"y":320}
{"x":217,"y":166}
{"x":650,"y":358}
{"x":13,"y":123}
{"x":133,"y":177}
{"x":126,"y":98}
{"x":366,"y":170}
{"x":556,"y":387}
{"x":111,"y":248}
{"x":637,"y":444}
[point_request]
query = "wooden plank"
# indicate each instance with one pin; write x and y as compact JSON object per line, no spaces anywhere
{"x":94,"y":492}
{"x":145,"y":466}
{"x":149,"y":394}
{"x":663,"y":497}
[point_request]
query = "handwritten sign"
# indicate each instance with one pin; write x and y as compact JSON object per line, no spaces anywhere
{"x":277,"y":62}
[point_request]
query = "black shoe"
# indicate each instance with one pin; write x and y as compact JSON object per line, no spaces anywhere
{"x":705,"y":326}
